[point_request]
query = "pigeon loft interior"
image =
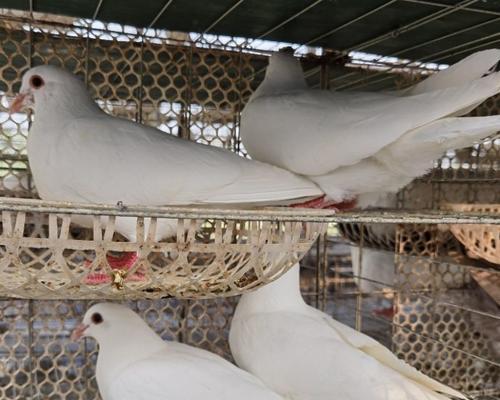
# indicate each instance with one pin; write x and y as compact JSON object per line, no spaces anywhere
{"x":400,"y":240}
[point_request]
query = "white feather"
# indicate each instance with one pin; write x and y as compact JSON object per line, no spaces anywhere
{"x":342,"y":140}
{"x":304,"y":354}
{"x":136,"y":364}
{"x":78,"y":153}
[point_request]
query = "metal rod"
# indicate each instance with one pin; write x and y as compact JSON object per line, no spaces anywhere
{"x":33,"y":377}
{"x":348,"y":23}
{"x":471,"y":9}
{"x":97,"y":10}
{"x":365,"y":82}
{"x":422,"y":335}
{"x":405,"y":29}
{"x":251,"y":214}
{"x":394,"y":290}
{"x":411,"y":26}
{"x":403,"y":51}
{"x":368,"y":83}
{"x":87,"y":44}
{"x":224,"y":15}
{"x":473,"y":48}
{"x":359,"y":297}
{"x":460,"y":31}
{"x":324,"y":265}
{"x":423,"y":60}
{"x":160,"y":13}
{"x":291,"y":18}
{"x":317,"y":272}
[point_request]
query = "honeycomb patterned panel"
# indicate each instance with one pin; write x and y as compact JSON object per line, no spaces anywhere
{"x":435,"y":328}
{"x":14,"y":59}
{"x":184,"y":90}
{"x":195,"y":90}
{"x":481,"y":161}
{"x":38,"y":360}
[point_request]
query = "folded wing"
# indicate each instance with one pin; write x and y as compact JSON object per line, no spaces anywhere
{"x":150,"y":168}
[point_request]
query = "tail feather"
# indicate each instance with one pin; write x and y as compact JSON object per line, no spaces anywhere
{"x":470,"y":68}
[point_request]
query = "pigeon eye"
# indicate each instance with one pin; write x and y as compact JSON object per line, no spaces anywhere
{"x":96,"y":318}
{"x":36,"y":82}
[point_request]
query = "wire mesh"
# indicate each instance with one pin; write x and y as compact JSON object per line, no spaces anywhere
{"x":442,"y":321}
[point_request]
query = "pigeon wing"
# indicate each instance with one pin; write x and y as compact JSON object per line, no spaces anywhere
{"x":107,"y":159}
{"x":313,"y":132}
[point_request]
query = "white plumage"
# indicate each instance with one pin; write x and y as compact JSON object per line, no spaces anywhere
{"x":353,"y":143}
{"x":78,"y":153}
{"x":136,"y":364}
{"x":303,"y":354}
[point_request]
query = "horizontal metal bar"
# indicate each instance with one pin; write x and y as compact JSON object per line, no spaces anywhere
{"x":251,"y":214}
{"x":160,"y":13}
{"x":348,"y":23}
{"x":224,"y":15}
{"x":470,"y":9}
{"x":418,"y":292}
{"x":289,"y":19}
{"x":423,"y":335}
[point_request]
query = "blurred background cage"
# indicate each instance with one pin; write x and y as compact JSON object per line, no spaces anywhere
{"x":426,"y":296}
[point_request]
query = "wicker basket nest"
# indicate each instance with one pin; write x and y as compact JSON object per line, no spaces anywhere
{"x":377,"y":236}
{"x":43,"y":255}
{"x":481,"y":241}
{"x":414,"y":239}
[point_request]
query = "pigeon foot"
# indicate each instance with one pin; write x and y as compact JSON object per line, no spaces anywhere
{"x":323,"y":203}
{"x":386,"y":312}
{"x":124,"y":262}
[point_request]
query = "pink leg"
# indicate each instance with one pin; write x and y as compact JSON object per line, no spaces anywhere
{"x":322,"y":203}
{"x":124,"y":261}
{"x":386,"y":312}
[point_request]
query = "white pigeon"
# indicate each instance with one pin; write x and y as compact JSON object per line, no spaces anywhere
{"x":303,"y":354}
{"x":134,"y":363}
{"x":78,"y":153}
{"x":355,"y":143}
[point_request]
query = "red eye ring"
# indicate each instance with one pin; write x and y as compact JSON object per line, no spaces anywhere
{"x":36,"y":82}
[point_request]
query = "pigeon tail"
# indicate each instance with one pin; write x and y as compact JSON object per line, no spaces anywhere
{"x":412,"y":155}
{"x":470,"y":68}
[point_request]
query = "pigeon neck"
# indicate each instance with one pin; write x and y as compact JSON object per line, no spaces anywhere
{"x":117,"y":352}
{"x":71,"y":102}
{"x":282,"y":294}
{"x":284,"y":74}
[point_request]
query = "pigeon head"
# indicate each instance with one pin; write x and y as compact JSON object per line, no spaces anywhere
{"x":47,"y":85}
{"x":108,"y":320}
{"x":283,"y":74}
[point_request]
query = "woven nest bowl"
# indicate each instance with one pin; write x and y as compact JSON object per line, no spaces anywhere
{"x":481,"y":241}
{"x":376,"y":236}
{"x":211,"y":253}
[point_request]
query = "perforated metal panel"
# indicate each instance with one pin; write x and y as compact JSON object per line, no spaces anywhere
{"x":436,"y":327}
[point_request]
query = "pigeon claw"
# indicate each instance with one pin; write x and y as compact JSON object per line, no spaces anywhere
{"x":323,"y":203}
{"x":386,"y":312}
{"x":120,"y":265}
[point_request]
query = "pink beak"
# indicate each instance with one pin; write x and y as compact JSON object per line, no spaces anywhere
{"x":18,"y":103}
{"x":78,"y":332}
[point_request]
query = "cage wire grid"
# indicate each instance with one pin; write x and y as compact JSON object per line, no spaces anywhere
{"x":194,"y":87}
